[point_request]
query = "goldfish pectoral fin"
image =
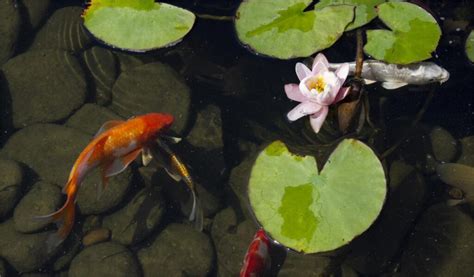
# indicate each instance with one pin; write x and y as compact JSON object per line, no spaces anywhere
{"x":120,"y":164}
{"x":393,"y":85}
{"x":107,"y":125}
{"x":369,"y":82}
{"x":196,"y":213}
{"x":173,"y":175}
{"x":146,"y":156}
{"x":172,"y":139}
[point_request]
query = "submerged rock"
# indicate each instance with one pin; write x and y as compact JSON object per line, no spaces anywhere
{"x":127,"y":61}
{"x":50,"y":150}
{"x":297,"y":264}
{"x":138,"y":218}
{"x":104,"y":259}
{"x":178,"y":250}
{"x":42,"y":199}
{"x":63,"y":30}
{"x":207,"y":130}
{"x":441,"y":244}
{"x":103,"y":67}
{"x":238,"y":182}
{"x":90,"y":117}
{"x":444,"y":144}
{"x":9,"y":29}
{"x":10,"y":185}
{"x":153,"y":87}
{"x":36,"y":10}
{"x":45,"y":86}
{"x":25,"y":252}
{"x":95,"y":236}
{"x":467,"y":152}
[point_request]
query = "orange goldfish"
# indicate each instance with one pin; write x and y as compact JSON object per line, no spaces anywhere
{"x":115,"y":146}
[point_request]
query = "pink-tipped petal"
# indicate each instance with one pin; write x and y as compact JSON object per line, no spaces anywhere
{"x":320,"y":64}
{"x":342,"y":72}
{"x":317,"y":119}
{"x":302,"y":71}
{"x":293,"y":92}
{"x":342,"y":94}
{"x":303,"y":109}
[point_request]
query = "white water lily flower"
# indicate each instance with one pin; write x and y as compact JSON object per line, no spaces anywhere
{"x":318,"y":88}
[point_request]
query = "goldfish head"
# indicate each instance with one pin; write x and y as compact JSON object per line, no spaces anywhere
{"x":157,"y":123}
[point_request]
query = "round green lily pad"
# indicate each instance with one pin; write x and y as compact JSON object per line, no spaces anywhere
{"x":137,"y":25}
{"x":283,"y":29}
{"x":470,"y":47}
{"x":311,"y":212}
{"x":414,"y":34}
{"x":364,"y":10}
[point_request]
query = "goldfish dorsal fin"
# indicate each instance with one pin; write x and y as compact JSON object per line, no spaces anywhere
{"x":108,"y":125}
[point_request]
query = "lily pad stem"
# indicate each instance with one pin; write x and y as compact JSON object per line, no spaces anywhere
{"x":215,"y":17}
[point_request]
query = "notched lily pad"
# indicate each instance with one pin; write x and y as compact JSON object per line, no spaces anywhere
{"x":311,"y":212}
{"x":364,"y":10}
{"x":137,"y":25}
{"x":470,"y":47}
{"x":414,"y":34}
{"x":283,"y":29}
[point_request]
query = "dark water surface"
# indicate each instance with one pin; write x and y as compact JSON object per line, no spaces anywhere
{"x":59,"y":85}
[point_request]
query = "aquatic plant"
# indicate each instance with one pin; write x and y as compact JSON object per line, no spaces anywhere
{"x":318,"y":88}
{"x":313,"y":212}
{"x":470,"y":46}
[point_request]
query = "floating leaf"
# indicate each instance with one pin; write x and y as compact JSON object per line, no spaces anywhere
{"x":282,"y":29}
{"x":364,"y":10}
{"x":470,"y":46}
{"x":311,"y":212}
{"x":415,"y":34}
{"x":137,"y":25}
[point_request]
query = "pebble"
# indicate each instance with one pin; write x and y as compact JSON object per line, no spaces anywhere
{"x":178,"y":250}
{"x":141,"y":216}
{"x":45,"y":86}
{"x":36,"y":10}
{"x":63,"y":30}
{"x":297,"y":264}
{"x":96,"y":236}
{"x":42,"y":199}
{"x":127,"y":61}
{"x":467,"y":152}
{"x":9,"y":29}
{"x":207,"y":130}
{"x":24,"y":252}
{"x":153,"y":87}
{"x":103,"y":67}
{"x":51,"y":156}
{"x":10,"y":185}
{"x":90,"y":117}
{"x":444,"y":145}
{"x":104,"y":259}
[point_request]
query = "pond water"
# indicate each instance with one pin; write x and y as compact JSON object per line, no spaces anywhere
{"x":58,"y":86}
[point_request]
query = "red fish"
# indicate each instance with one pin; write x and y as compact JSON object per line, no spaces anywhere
{"x":115,"y":146}
{"x":257,"y":259}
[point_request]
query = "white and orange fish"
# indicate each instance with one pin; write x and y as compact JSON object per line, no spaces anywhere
{"x":257,"y":258}
{"x":114,"y":147}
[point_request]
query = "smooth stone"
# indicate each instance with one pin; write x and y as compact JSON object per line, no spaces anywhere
{"x":90,"y":117}
{"x":45,"y":86}
{"x":153,"y":87}
{"x":10,"y":185}
{"x":9,"y":29}
{"x":207,"y":130}
{"x":103,"y":67}
{"x":374,"y":251}
{"x":127,"y":61}
{"x":457,"y":175}
{"x":25,"y":252}
{"x":52,"y":158}
{"x":96,"y":236}
{"x":138,"y":218}
{"x":238,"y":182}
{"x":297,"y":264}
{"x":231,"y":240}
{"x":178,"y":250}
{"x":91,"y":222}
{"x":36,"y":10}
{"x":42,"y":199}
{"x":70,"y":249}
{"x":104,"y":259}
{"x":444,"y":144}
{"x":63,"y":30}
{"x":467,"y":152}
{"x":440,"y":245}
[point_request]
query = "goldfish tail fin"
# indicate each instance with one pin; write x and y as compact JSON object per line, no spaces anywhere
{"x":64,"y":220}
{"x":197,"y":213}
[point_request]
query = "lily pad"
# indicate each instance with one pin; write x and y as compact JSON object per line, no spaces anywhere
{"x":311,"y":212}
{"x":470,"y":46}
{"x":414,"y":34}
{"x":283,"y":29}
{"x":137,"y":25}
{"x":364,"y":10}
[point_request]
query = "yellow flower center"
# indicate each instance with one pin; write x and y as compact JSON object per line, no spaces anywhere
{"x":317,"y":83}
